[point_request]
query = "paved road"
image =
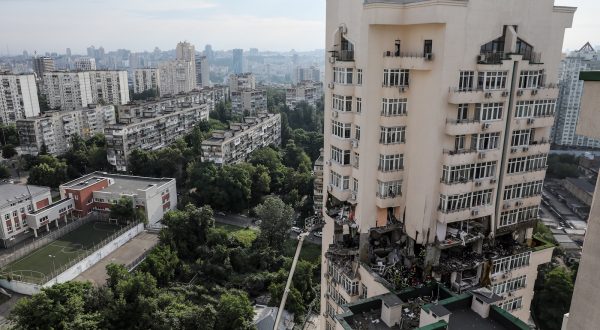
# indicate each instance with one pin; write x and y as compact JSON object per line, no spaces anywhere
{"x":243,"y":221}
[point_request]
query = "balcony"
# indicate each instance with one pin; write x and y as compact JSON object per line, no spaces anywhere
{"x":465,"y":214}
{"x":455,"y":188}
{"x":411,"y":61}
{"x":475,"y":95}
{"x":498,"y":57}
{"x":343,"y":55}
{"x":542,"y":92}
{"x":534,"y":147}
{"x":527,"y":223}
{"x":534,"y":122}
{"x":472,"y":126}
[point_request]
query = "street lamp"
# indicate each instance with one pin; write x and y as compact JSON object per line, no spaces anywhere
{"x":53,"y":266}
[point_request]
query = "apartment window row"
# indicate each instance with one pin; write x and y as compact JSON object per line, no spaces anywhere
{"x":339,"y":181}
{"x":357,"y":132}
{"x":537,"y":108}
{"x":359,"y":76}
{"x":521,"y":137}
{"x":510,"y":285}
{"x":363,"y":291}
{"x":527,"y":164}
{"x":340,"y":156}
{"x":487,"y":80}
{"x":390,"y":163}
{"x":390,"y":189}
{"x":468,"y":200}
{"x":523,"y":190}
{"x":485,"y":141}
{"x":341,"y":130}
{"x":468,"y":172}
{"x":393,"y":107}
{"x":512,"y":217}
{"x":511,"y":304}
{"x":351,"y":286}
{"x":335,"y":295}
{"x":330,"y":311}
{"x":531,"y":78}
{"x":511,"y":262}
{"x":489,"y":111}
{"x":342,"y":75}
{"x":392,"y":135}
{"x":341,"y":102}
{"x":395,"y":77}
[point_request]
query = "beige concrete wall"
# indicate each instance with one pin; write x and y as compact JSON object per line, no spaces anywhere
{"x":588,"y":123}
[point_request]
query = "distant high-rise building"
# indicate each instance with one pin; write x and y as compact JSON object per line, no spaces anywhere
{"x":208,"y":52}
{"x":179,"y":75}
{"x":68,"y":52}
{"x":253,"y":52}
{"x":202,"y":71}
{"x":85,"y":64}
{"x":25,"y":54}
{"x":91,"y":51}
{"x":185,"y":52}
{"x":301,"y":74}
{"x":242,"y":81}
{"x":436,"y":135}
{"x":238,"y":61}
{"x":18,"y":97}
{"x":145,"y":79}
{"x":567,"y":110}
{"x":41,"y":65}
{"x":74,"y":90}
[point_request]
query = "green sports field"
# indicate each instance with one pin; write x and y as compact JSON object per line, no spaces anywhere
{"x":37,"y":267}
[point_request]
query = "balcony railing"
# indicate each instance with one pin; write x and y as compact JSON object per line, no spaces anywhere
{"x":498,"y":57}
{"x":427,"y":56}
{"x":343,"y":55}
{"x":459,"y":151}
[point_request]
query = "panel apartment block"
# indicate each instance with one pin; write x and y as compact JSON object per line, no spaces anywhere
{"x":437,"y":126}
{"x":237,"y":143}
{"x":18,"y":97}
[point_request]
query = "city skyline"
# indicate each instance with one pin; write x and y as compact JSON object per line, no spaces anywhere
{"x":277,"y":27}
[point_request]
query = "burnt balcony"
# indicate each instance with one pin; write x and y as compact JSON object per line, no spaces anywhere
{"x":462,"y":233}
{"x":343,"y":55}
{"x":525,"y":223}
{"x":458,"y":260}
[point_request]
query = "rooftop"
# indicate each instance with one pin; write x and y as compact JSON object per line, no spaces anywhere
{"x":582,"y":184}
{"x":124,"y":184}
{"x":12,"y":192}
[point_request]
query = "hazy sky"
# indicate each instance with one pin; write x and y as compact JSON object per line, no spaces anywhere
{"x":53,"y":25}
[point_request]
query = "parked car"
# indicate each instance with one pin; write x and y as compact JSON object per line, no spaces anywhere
{"x":296,"y":230}
{"x":318,"y":233}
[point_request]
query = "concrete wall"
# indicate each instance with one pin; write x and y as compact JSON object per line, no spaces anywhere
{"x":20,"y":287}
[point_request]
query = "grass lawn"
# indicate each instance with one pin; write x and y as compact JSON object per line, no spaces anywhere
{"x":37,"y":266}
{"x":310,"y":251}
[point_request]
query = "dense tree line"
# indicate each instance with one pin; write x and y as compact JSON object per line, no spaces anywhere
{"x":562,"y":166}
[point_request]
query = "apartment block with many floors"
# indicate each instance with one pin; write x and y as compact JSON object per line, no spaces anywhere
{"x":24,"y":208}
{"x":155,"y":129}
{"x":145,"y":79}
{"x":179,"y":75}
{"x":74,"y":90}
{"x":249,"y":102}
{"x":53,"y":130}
{"x":241,"y":139}
{"x":242,"y":81}
{"x":85,"y":64}
{"x":18,"y":97}
{"x":304,"y":91}
{"x":97,"y":191}
{"x":569,"y":99}
{"x":41,"y":65}
{"x":437,"y":126}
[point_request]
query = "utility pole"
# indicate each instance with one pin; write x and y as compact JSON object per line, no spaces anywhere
{"x":301,"y":237}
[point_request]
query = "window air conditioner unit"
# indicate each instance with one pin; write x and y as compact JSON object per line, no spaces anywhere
{"x":520,"y":92}
{"x":481,"y":58}
{"x":388,"y":53}
{"x":505,"y":93}
{"x":343,"y":29}
{"x":402,"y":89}
{"x":488,"y":95}
{"x":492,"y":181}
{"x":428,"y":56}
{"x":477,"y":183}
{"x":332,"y":60}
{"x":334,"y":114}
{"x":534,"y":91}
{"x":505,"y":206}
{"x":510,"y":294}
{"x":525,"y":148}
{"x":530,"y":121}
{"x":485,"y":126}
{"x":354,"y":143}
{"x":481,"y":155}
{"x":519,"y":203}
{"x":330,"y":85}
{"x":474,"y":212}
{"x":513,"y":150}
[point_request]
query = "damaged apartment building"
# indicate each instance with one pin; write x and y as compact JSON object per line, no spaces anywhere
{"x":437,"y":120}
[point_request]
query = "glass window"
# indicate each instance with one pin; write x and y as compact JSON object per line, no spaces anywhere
{"x":393,"y":107}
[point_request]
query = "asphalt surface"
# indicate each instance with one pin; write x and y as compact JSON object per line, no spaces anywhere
{"x":244,"y":221}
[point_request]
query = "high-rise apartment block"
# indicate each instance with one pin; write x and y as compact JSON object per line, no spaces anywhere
{"x":318,"y":185}
{"x":311,"y":73}
{"x":304,"y":91}
{"x":85,"y":64}
{"x":18,"y":97}
{"x":150,"y":126}
{"x":237,"y":66}
{"x":74,"y":90}
{"x":245,"y":97}
{"x":236,"y":144}
{"x":179,"y":75}
{"x":53,"y":130}
{"x":145,"y":79}
{"x":202,"y":71}
{"x":437,"y":126}
{"x":41,"y":65}
{"x":242,"y":81}
{"x":571,"y":88}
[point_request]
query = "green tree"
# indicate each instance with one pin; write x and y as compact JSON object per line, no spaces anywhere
{"x":61,"y":306}
{"x":553,"y":300}
{"x":276,"y":221}
{"x":296,"y":158}
{"x":4,"y":172}
{"x":234,"y":311}
{"x":124,"y":211}
{"x":186,"y":230}
{"x":9,"y":135}
{"x":162,"y":263}
{"x":49,"y":171}
{"x":9,"y":151}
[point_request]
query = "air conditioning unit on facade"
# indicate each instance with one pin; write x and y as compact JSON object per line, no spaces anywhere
{"x":530,"y":121}
{"x":402,"y":89}
{"x":525,"y":148}
{"x":519,"y":92}
{"x":477,"y":183}
{"x":481,"y":58}
{"x":505,"y":206}
{"x":534,"y":91}
{"x":485,"y":126}
{"x":334,"y":114}
{"x":332,"y":60}
{"x":354,"y":143}
{"x":488,"y":95}
{"x":519,"y":203}
{"x":330,"y":85}
{"x":353,"y":196}
{"x":481,"y":155}
{"x":492,"y":181}
{"x":474,"y":212}
{"x":505,"y":93}
{"x":513,"y":150}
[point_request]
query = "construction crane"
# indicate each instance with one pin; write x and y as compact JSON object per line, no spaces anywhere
{"x":301,"y":237}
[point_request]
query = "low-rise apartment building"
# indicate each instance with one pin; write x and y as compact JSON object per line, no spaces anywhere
{"x":17,"y":203}
{"x":73,"y":90}
{"x":53,"y":130}
{"x":145,"y":79}
{"x":150,"y":128}
{"x":237,"y":143}
{"x":242,"y":81}
{"x":304,"y":91}
{"x":249,"y":102}
{"x":18,"y":97}
{"x":97,"y":191}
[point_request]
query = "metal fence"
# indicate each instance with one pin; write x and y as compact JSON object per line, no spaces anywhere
{"x":41,"y":278}
{"x":45,"y":240}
